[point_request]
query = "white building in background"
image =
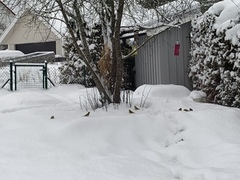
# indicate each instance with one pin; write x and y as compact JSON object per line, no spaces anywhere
{"x":23,"y":34}
{"x":6,"y":16}
{"x":29,"y":36}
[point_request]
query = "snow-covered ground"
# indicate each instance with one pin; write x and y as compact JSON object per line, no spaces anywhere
{"x":157,"y":142}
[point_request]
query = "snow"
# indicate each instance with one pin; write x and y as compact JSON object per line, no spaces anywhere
{"x":198,"y":95}
{"x":163,"y":91}
{"x":154,"y":21}
{"x":158,"y":141}
{"x":10,"y":53}
{"x":227,"y":9}
{"x":227,"y":19}
{"x":214,"y":53}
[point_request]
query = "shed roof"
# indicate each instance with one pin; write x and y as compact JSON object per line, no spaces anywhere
{"x":157,"y":26}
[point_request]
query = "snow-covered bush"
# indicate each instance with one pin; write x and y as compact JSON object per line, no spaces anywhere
{"x":215,"y":53}
{"x":74,"y":71}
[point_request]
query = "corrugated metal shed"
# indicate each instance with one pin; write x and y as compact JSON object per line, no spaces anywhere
{"x":155,"y":62}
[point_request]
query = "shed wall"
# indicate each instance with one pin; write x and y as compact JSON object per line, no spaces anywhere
{"x":156,"y":63}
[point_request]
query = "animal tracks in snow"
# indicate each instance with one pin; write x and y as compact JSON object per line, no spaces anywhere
{"x":176,"y":129}
{"x":175,"y":138}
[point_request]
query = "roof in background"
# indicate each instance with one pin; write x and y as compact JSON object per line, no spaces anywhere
{"x":157,"y":25}
{"x":14,"y":22}
{"x":7,"y":8}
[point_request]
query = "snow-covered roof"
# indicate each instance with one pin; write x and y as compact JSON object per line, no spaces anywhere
{"x":159,"y":26}
{"x":172,"y":14}
{"x":10,"y":53}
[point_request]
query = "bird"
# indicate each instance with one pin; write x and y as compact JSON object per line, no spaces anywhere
{"x":52,"y":117}
{"x":130,"y":111}
{"x":186,"y":110}
{"x":88,"y":113}
{"x":136,"y":108}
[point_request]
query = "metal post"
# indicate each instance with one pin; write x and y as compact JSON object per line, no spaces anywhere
{"x":15,"y":77}
{"x":43,"y":78}
{"x":11,"y":76}
{"x":46,"y":77}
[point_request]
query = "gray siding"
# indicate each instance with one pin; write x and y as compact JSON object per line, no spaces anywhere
{"x":156,"y":63}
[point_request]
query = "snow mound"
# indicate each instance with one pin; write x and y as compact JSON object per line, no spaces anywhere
{"x":225,"y":10}
{"x":161,"y":91}
{"x":227,"y":20}
{"x":10,"y":53}
{"x":198,"y":95}
{"x":153,"y":143}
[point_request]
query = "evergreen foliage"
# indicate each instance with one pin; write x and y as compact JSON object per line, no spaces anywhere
{"x":74,"y":71}
{"x":215,"y":60}
{"x":152,"y":4}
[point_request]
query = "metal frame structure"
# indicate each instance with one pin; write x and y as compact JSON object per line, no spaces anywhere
{"x":14,"y":69}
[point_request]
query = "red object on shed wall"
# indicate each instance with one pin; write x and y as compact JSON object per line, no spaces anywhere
{"x":177,"y":49}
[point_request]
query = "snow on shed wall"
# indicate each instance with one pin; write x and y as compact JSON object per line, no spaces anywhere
{"x":156,"y":63}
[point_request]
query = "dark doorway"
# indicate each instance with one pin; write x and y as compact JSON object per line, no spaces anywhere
{"x":34,"y":47}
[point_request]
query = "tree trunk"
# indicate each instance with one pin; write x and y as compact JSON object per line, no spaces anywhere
{"x":85,"y":57}
{"x":118,"y":71}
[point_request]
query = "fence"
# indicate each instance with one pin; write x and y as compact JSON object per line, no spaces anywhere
{"x":28,"y":71}
{"x":37,"y":57}
{"x":5,"y":76}
{"x":28,"y":75}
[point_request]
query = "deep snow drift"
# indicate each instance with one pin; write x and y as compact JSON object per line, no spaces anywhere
{"x":157,"y":142}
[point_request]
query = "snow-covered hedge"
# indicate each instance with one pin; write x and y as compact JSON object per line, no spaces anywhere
{"x":215,"y":63}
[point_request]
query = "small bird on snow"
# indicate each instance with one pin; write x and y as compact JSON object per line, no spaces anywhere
{"x":186,"y":110}
{"x":52,"y":117}
{"x":130,"y":111}
{"x":136,"y":108}
{"x":88,"y":113}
